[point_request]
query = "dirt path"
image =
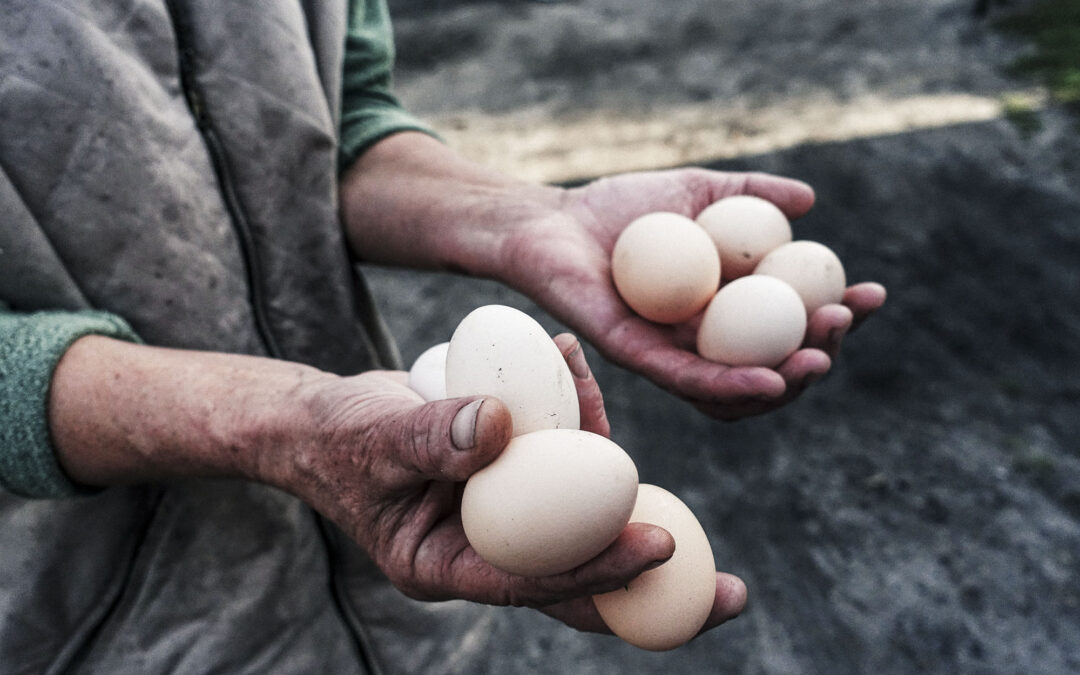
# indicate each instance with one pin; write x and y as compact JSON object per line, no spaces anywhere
{"x":918,"y":510}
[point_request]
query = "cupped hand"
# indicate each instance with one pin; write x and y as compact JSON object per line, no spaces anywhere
{"x":562,"y":260}
{"x":389,"y":470}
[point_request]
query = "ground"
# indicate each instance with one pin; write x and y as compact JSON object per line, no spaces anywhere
{"x":919,"y":509}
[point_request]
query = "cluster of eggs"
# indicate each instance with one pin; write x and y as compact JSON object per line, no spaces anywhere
{"x":669,"y":268}
{"x":558,"y":496}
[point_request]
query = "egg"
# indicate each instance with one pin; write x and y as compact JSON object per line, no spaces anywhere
{"x":503,"y":352}
{"x":667,"y":606}
{"x":665,"y":267}
{"x":551,"y":501}
{"x":812,"y":269}
{"x":744,"y":229}
{"x":427,"y":376}
{"x":756,"y":320}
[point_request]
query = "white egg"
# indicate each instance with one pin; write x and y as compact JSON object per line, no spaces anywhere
{"x":427,"y":376}
{"x":665,"y":607}
{"x":551,"y":501}
{"x":503,"y":352}
{"x":665,"y":267}
{"x":744,"y":228}
{"x":812,"y":269}
{"x":756,"y":320}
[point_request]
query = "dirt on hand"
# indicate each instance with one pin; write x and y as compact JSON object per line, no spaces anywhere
{"x":919,"y":509}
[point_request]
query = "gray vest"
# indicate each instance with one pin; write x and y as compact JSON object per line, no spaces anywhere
{"x":173,"y":161}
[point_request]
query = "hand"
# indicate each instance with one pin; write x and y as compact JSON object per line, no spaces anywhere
{"x":389,"y":470}
{"x":365,"y":451}
{"x":411,"y":201}
{"x":562,"y":260}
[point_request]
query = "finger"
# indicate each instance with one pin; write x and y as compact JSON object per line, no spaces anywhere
{"x":590,"y":399}
{"x":864,"y":299}
{"x":730,"y":600}
{"x":638,"y":547}
{"x":826,"y":328}
{"x":793,"y":197}
{"x":452,"y":439}
{"x":802,"y":369}
{"x":581,"y":613}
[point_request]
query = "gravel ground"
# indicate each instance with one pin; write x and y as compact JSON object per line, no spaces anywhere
{"x":919,"y":509}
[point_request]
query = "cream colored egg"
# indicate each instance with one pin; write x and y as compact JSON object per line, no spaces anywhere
{"x":665,"y":267}
{"x":745,"y":229}
{"x":753,"y":321}
{"x":551,"y":501}
{"x":812,"y":269}
{"x":427,"y":376}
{"x":503,"y":352}
{"x":665,"y":607}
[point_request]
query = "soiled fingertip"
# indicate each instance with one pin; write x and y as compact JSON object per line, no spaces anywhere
{"x":650,"y":540}
{"x":730,"y":600}
{"x":484,"y":426}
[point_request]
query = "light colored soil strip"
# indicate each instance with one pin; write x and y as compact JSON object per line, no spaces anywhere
{"x":532,"y":144}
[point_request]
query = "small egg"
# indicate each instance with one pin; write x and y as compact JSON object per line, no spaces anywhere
{"x":551,"y":501}
{"x":812,"y":269}
{"x":667,"y":606}
{"x":427,"y":376}
{"x":503,"y":352}
{"x":756,"y":320}
{"x":665,"y":267}
{"x":744,"y":228}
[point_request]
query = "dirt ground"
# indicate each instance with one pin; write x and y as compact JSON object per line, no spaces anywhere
{"x":919,"y":509}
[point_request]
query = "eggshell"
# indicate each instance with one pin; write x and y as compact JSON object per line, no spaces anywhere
{"x":503,"y":352}
{"x":665,"y":267}
{"x":744,"y":228}
{"x":667,"y":606}
{"x":551,"y":501}
{"x":756,"y":320}
{"x":427,"y":376}
{"x":812,"y":269}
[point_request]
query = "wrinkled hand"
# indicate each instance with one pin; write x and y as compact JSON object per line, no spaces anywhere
{"x":562,"y":261}
{"x":389,"y":470}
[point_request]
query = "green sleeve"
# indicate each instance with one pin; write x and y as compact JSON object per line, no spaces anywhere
{"x":369,"y":110}
{"x":30,"y":348}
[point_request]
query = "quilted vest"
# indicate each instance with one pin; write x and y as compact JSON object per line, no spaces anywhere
{"x":174,"y":162}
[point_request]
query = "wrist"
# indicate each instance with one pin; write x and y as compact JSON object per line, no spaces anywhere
{"x":121,"y":413}
{"x":412,"y":201}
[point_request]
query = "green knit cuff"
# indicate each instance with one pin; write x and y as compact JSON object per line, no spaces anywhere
{"x":31,"y":346}
{"x":362,"y":128}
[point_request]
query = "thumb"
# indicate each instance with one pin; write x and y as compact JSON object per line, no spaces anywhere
{"x":452,"y":439}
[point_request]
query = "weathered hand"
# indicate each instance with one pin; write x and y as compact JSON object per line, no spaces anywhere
{"x":389,"y":470}
{"x":562,"y":260}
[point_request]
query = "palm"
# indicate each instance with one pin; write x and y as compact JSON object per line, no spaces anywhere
{"x":568,"y":272}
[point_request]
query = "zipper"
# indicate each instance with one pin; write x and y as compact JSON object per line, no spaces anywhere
{"x":216,"y":151}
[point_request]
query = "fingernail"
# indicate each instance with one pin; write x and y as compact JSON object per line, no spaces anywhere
{"x":578,"y":366}
{"x":463,"y":428}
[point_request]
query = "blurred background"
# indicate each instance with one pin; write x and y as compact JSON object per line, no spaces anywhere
{"x":919,"y":509}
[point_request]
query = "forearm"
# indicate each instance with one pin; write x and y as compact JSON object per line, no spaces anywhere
{"x":412,"y":201}
{"x":122,"y":413}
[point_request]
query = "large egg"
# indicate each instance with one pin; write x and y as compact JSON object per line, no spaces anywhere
{"x":812,"y":269}
{"x":427,"y":376}
{"x":753,"y":321}
{"x":665,"y":267}
{"x":551,"y":501}
{"x":665,"y":607}
{"x":744,"y":228}
{"x":503,"y":352}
